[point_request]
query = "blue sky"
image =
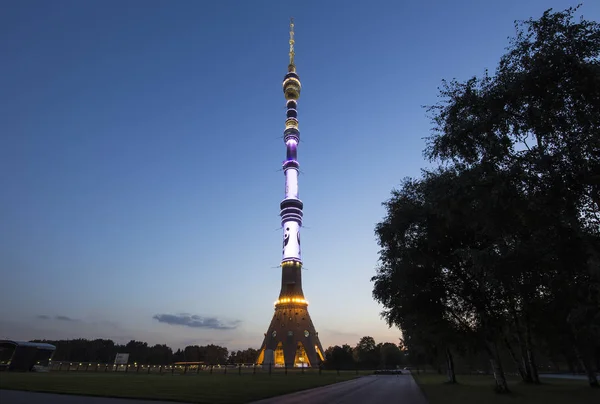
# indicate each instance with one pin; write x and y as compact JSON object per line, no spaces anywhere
{"x":141,"y":151}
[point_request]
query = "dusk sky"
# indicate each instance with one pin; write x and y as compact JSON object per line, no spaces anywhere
{"x":141,"y":150}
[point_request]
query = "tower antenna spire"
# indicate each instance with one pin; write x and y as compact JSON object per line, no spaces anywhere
{"x":292,"y":53}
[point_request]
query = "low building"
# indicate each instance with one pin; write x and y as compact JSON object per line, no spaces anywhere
{"x":24,"y":356}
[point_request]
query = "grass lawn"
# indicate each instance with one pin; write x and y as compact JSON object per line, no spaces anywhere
{"x":479,"y":389}
{"x":202,"y":388}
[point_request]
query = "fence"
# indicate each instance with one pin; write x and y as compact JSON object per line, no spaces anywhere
{"x":135,"y":368}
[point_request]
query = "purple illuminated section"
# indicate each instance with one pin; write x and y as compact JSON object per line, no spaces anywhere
{"x":292,"y":150}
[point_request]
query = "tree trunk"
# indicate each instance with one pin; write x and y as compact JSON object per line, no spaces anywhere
{"x":555,"y":365}
{"x":523,"y":365}
{"x":450,"y":367}
{"x":591,"y":375}
{"x":570,"y":364}
{"x":499,"y":377}
{"x":524,"y":376}
{"x":535,"y":377}
{"x":575,"y":359}
{"x":580,"y":368}
{"x":530,"y":354}
{"x":524,"y":362}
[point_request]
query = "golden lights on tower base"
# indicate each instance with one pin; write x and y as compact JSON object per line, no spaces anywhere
{"x":292,"y":300}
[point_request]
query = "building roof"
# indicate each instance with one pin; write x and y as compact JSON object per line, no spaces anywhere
{"x":39,"y":345}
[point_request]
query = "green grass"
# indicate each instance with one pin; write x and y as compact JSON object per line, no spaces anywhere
{"x":479,"y":389}
{"x":202,"y":388}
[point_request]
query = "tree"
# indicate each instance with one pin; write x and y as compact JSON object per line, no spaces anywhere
{"x":178,"y":356}
{"x":192,"y":353}
{"x":366,"y":353}
{"x":160,"y":354}
{"x":246,"y":356}
{"x":435,"y":280}
{"x":500,"y":245}
{"x":138,"y":351}
{"x":390,"y":355}
{"x":213,"y":354}
{"x":538,"y":120}
{"x":339,"y":357}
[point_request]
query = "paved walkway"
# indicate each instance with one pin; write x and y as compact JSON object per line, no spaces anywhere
{"x":568,"y":376}
{"x":400,"y":389}
{"x":28,"y":397}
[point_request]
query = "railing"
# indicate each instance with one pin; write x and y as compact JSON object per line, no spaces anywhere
{"x":136,"y":368}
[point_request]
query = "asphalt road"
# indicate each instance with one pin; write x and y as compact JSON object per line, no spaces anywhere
{"x":567,"y":376}
{"x":380,"y":389}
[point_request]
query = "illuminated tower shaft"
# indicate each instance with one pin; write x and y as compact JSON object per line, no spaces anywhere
{"x":291,"y":339}
{"x":291,"y":206}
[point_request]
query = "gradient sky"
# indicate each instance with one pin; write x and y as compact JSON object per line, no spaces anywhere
{"x":140,"y":156}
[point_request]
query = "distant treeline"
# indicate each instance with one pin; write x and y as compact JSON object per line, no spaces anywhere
{"x":366,"y":354}
{"x":105,"y":350}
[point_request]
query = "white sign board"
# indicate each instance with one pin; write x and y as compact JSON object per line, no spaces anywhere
{"x":121,"y":359}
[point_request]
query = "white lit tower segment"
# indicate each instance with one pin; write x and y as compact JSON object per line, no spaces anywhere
{"x":291,"y":339}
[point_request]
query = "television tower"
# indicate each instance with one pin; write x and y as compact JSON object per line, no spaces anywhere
{"x":291,"y":339}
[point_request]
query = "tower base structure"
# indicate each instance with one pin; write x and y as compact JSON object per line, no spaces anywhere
{"x":291,"y":340}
